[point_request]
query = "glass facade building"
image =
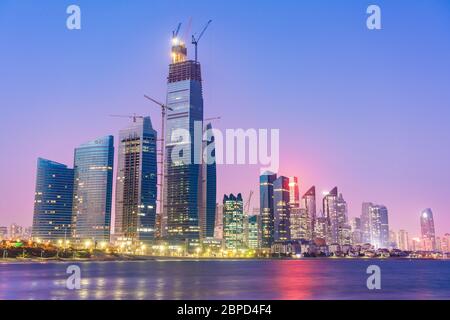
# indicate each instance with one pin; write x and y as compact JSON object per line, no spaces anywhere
{"x":136,"y":184}
{"x":209,"y":185}
{"x":253,"y":232}
{"x":266,"y":205}
{"x":184,"y":198}
{"x":308,"y":203}
{"x":93,"y":166}
{"x":427,"y":229}
{"x":379,"y":226}
{"x":233,"y":222}
{"x":331,"y":213}
{"x":52,"y":217}
{"x":281,"y":195}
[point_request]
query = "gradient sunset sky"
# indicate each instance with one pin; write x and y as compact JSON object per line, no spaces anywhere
{"x":365,"y":110}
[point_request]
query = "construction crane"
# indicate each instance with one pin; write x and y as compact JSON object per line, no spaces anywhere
{"x":196,"y":40}
{"x":211,"y":119}
{"x":247,"y":204}
{"x":133,"y":116}
{"x":175,"y":33}
{"x":162,"y":146}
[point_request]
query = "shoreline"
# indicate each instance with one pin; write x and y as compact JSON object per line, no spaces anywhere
{"x":187,"y":259}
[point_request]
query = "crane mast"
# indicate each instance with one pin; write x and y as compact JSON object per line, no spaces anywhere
{"x":196,"y":40}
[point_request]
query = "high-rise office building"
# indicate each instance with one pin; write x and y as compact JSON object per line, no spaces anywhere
{"x":321,"y":229}
{"x":92,"y":190}
{"x":445,"y":243}
{"x":393,"y":239}
{"x":253,"y":232}
{"x":356,"y":227}
{"x":233,"y":222}
{"x":330,"y":210}
{"x":403,"y":240}
{"x":299,"y":224}
{"x":52,"y":218}
{"x":208,"y":203}
{"x":365,"y":222}
{"x":136,"y":182}
{"x":294,"y":197}
{"x":427,"y":228}
{"x":184,"y":198}
{"x":3,"y":233}
{"x":218,"y":225}
{"x":344,"y":229}
{"x":336,"y":212}
{"x":295,"y":223}
{"x":379,"y":226}
{"x":266,"y":205}
{"x":308,"y":203}
{"x":16,"y":231}
{"x":281,"y":196}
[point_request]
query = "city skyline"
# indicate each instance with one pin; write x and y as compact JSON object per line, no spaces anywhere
{"x":310,"y":168}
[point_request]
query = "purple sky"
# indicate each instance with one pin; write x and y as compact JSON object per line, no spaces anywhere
{"x":367,"y":111}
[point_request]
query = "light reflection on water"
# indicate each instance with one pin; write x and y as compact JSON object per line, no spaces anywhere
{"x":264,"y":279}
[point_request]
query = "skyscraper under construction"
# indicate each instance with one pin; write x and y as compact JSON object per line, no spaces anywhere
{"x":186,"y":202}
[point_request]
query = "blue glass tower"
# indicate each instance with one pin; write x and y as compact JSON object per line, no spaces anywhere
{"x":93,"y":165}
{"x":136,"y":185}
{"x":282,"y":226}
{"x":52,"y":216}
{"x":184,"y":199}
{"x":210,"y":184}
{"x":266,"y":181}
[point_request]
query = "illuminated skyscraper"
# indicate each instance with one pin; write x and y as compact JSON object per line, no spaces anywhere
{"x":355,"y":225}
{"x":3,"y":233}
{"x":379,"y":226}
{"x":365,"y":222}
{"x":266,"y":181}
{"x":330,"y":211}
{"x":427,"y":228}
{"x":93,"y":165}
{"x":294,"y":200}
{"x":218,"y":224}
{"x":403,"y":240}
{"x":335,"y":210}
{"x":253,"y":232}
{"x":281,"y":197}
{"x":15,"y":231}
{"x":136,"y":182}
{"x":52,"y":218}
{"x":233,"y":222}
{"x":308,"y":203}
{"x":185,"y":204}
{"x":445,"y":244}
{"x":209,"y":186}
{"x":321,"y":229}
{"x":393,"y":239}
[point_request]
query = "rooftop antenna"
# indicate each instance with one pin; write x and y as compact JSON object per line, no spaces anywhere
{"x":196,"y":40}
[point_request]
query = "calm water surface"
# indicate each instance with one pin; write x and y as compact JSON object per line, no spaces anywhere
{"x":264,"y":279}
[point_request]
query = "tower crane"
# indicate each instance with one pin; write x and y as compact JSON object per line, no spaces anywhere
{"x":175,"y":33}
{"x":164,"y":108}
{"x":133,"y":116}
{"x":247,"y":204}
{"x":196,"y":40}
{"x":212,"y":119}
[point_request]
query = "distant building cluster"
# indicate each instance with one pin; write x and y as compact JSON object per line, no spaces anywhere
{"x":289,"y":224}
{"x":15,"y":231}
